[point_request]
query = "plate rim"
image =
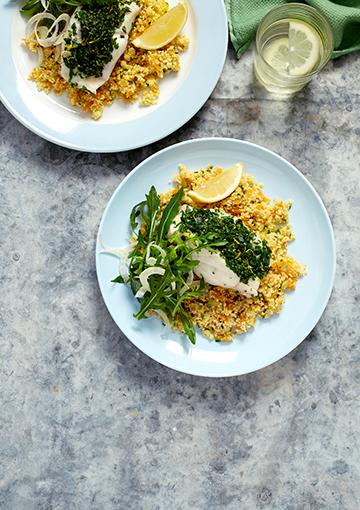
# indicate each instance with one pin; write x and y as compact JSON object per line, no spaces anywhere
{"x":37,"y":127}
{"x":302,"y":177}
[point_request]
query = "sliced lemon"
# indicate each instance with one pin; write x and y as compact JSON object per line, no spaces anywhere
{"x":219,"y":187}
{"x":296,"y":55}
{"x":277,"y":55}
{"x":304,"y":48}
{"x":164,"y":30}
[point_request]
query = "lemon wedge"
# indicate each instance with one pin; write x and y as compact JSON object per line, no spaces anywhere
{"x":296,"y":55}
{"x":219,"y":187}
{"x":164,"y":29}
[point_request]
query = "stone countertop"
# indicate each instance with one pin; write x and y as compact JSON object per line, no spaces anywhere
{"x":89,"y":422}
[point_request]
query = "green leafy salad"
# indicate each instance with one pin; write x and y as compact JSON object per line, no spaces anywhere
{"x":57,"y":7}
{"x":160,"y":260}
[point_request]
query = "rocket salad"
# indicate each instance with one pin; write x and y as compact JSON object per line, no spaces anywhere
{"x":160,"y":269}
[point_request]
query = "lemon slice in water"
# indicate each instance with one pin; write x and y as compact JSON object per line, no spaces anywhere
{"x":296,"y":55}
{"x":304,"y":48}
{"x":164,"y":29}
{"x":276,"y":55}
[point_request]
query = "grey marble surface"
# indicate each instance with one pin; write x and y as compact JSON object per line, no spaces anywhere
{"x":87,"y":421}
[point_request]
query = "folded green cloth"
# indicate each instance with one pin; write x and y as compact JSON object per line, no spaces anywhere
{"x":343,"y":15}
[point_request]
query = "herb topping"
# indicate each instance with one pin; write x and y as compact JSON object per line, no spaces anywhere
{"x":88,"y":56}
{"x":244,"y":253}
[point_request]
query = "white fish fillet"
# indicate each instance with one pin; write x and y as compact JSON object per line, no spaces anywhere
{"x":212,"y":267}
{"x":122,"y":37}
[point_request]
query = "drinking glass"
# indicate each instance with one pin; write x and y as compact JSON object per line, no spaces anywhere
{"x":273,"y":32}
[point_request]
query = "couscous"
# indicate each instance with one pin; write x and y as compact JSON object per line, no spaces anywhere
{"x":222,"y":313}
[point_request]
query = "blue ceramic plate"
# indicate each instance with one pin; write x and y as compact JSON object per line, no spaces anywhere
{"x":122,"y":127}
{"x":271,"y":339}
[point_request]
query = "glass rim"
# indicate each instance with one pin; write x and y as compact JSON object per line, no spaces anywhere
{"x":310,"y":9}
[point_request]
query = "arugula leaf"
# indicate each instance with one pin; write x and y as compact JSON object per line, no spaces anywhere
{"x":149,"y":301}
{"x":147,"y":210}
{"x":152,"y":206}
{"x":137,"y":259}
{"x":135,"y":212}
{"x":189,"y":293}
{"x":169,"y":214}
{"x":31,"y":7}
{"x":188,"y":325}
{"x":118,"y":279}
{"x":135,"y":285}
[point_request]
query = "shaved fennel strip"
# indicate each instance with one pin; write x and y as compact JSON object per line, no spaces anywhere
{"x":57,"y":54}
{"x":42,"y":38}
{"x":189,"y":282}
{"x":40,"y":56}
{"x":35,"y":19}
{"x":163,"y":317}
{"x":121,"y":253}
{"x":144,"y":279}
{"x":151,"y":261}
{"x":140,"y":293}
{"x":144,"y":275}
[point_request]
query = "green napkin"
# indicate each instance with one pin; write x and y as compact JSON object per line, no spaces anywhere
{"x":343,"y":15}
